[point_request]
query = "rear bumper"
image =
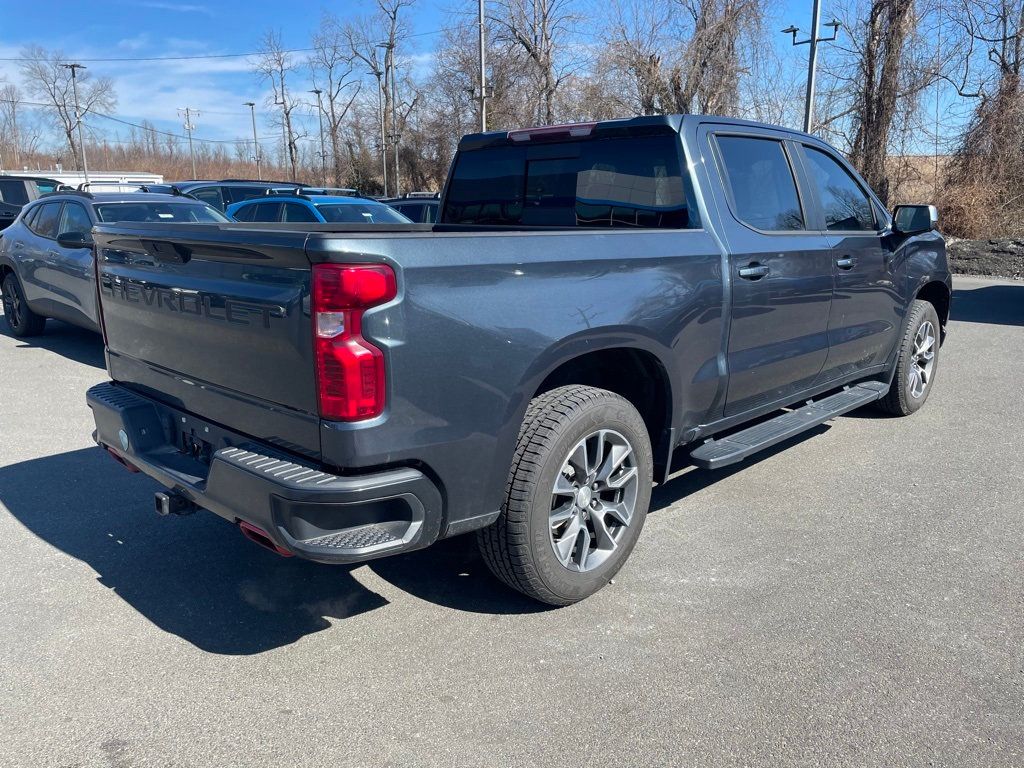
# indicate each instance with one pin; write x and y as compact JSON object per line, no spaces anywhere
{"x":303,"y":511}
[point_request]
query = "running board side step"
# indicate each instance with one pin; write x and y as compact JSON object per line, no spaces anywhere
{"x":715,"y":454}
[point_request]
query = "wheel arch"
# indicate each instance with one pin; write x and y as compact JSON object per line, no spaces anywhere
{"x":937,"y":293}
{"x":633,"y":372}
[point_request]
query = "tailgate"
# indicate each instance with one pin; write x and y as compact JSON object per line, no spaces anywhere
{"x":214,"y":320}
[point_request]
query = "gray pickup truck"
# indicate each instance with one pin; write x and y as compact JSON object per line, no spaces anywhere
{"x":595,"y":299}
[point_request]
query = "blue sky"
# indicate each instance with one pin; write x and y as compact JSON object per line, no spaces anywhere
{"x":218,"y":87}
{"x":154,"y":90}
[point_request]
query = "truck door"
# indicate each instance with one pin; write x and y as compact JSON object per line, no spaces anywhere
{"x":866,"y":309}
{"x":780,"y":272}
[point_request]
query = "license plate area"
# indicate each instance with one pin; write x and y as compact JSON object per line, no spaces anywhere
{"x":192,"y":438}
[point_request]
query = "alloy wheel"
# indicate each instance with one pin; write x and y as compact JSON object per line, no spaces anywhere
{"x":12,"y":304}
{"x":922,"y":360}
{"x":593,"y":500}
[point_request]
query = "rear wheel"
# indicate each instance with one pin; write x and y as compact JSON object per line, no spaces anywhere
{"x":21,"y":319}
{"x":917,"y":363}
{"x":577,"y":496}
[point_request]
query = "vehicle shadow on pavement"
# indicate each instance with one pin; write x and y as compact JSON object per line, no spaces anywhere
{"x":66,"y":340}
{"x":995,"y":304}
{"x":198,"y":578}
{"x":686,"y":479}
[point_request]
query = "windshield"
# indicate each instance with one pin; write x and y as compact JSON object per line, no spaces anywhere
{"x":364,"y":213}
{"x":157,"y":211}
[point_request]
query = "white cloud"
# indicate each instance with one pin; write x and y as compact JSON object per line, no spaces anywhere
{"x":136,"y":43}
{"x":177,"y":7}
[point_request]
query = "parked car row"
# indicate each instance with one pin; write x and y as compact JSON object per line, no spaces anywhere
{"x":46,"y":258}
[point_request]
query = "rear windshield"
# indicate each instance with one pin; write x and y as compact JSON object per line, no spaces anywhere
{"x":633,"y":182}
{"x":365,"y":213}
{"x":139,"y":211}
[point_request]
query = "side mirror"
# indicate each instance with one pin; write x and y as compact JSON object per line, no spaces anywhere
{"x":75,"y":240}
{"x":915,"y":219}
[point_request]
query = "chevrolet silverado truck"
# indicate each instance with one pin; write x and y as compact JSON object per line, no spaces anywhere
{"x":595,"y":299}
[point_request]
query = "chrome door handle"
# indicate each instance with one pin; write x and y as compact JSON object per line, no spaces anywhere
{"x":753,"y":271}
{"x":847,"y":262}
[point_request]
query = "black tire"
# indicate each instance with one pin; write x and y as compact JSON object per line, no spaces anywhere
{"x":901,"y":399}
{"x":518,"y":547}
{"x":20,"y":318}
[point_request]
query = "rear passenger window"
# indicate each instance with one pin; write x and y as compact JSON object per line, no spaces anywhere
{"x":846,"y":206}
{"x":265,"y":212}
{"x":210,"y":196}
{"x":45,"y":224}
{"x":30,"y":217}
{"x":245,"y":213}
{"x":298,"y":212}
{"x":761,"y":181}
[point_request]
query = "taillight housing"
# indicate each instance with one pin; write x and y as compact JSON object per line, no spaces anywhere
{"x":350,"y":375}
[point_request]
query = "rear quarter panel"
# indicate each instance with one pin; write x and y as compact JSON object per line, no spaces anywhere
{"x":483,"y":317}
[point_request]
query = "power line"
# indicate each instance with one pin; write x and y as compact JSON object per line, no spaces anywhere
{"x":131,"y":124}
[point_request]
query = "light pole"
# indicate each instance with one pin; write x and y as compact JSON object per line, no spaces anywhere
{"x":78,"y":115}
{"x":389,"y":66}
{"x":383,"y":146}
{"x":188,"y":112}
{"x":483,"y":71}
{"x":323,"y":151}
{"x":255,"y":142}
{"x":812,"y":59}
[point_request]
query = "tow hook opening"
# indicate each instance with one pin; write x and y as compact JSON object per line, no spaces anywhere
{"x":173,"y":503}
{"x":259,"y":536}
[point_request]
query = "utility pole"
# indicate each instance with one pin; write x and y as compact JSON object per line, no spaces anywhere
{"x":383,"y":145}
{"x":483,"y":71}
{"x":255,"y":142}
{"x":323,"y":151}
{"x":188,"y":112}
{"x":78,"y":115}
{"x":389,"y":67}
{"x":812,"y":59}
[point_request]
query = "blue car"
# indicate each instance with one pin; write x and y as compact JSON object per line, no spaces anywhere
{"x":310,"y":207}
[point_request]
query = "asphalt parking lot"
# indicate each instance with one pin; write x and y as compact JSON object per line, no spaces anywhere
{"x":854,"y":599}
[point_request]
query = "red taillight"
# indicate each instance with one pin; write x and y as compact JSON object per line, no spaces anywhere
{"x":349,"y":370}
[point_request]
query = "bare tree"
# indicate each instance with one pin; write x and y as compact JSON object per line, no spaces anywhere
{"x":46,"y":79}
{"x":10,"y":109}
{"x":373,"y":42}
{"x":275,"y":65}
{"x":706,"y":80}
{"x":633,"y":56}
{"x":542,"y":31}
{"x":331,"y":67}
{"x":883,"y":71}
